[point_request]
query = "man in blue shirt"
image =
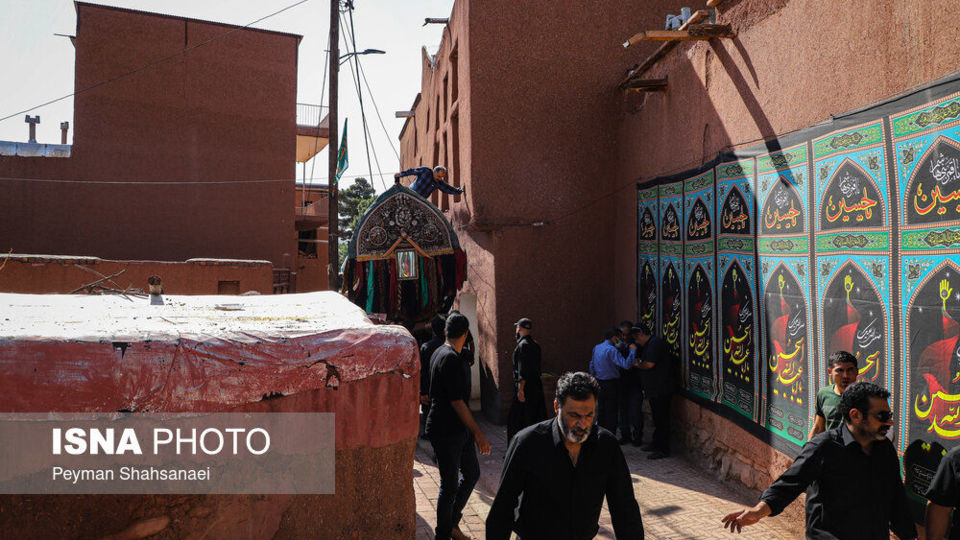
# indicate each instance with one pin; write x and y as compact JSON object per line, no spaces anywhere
{"x":429,"y":181}
{"x":604,"y":367}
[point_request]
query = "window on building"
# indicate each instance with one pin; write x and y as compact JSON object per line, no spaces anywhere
{"x":446,"y":89}
{"x":455,"y":153}
{"x":307,"y":243}
{"x":445,"y":198}
{"x":454,"y":60}
{"x":228,"y":287}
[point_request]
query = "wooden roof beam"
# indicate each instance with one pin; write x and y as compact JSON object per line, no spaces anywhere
{"x":697,"y":17}
{"x":647,"y":85}
{"x":695,"y":32}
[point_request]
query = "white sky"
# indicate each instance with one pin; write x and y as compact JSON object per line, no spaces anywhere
{"x":36,"y":66}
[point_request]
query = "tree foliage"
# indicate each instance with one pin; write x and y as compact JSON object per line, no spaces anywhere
{"x":351,"y":207}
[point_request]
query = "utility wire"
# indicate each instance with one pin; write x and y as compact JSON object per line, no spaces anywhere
{"x":154,"y":63}
{"x":379,"y":117}
{"x":144,"y":182}
{"x":363,"y":117}
{"x":323,"y":89}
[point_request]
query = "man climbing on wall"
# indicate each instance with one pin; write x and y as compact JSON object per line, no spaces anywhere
{"x":429,"y":181}
{"x":843,"y":371}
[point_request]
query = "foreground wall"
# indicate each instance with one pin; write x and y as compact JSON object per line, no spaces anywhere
{"x":256,"y":359}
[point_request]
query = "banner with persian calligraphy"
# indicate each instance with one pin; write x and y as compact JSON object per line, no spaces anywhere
{"x":699,"y":273}
{"x":841,"y":236}
{"x":648,"y":256}
{"x":852,"y":225}
{"x":926,"y":143}
{"x":671,"y":272}
{"x":738,"y":339}
{"x":783,"y":248}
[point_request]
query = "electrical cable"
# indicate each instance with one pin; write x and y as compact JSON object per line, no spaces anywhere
{"x":154,"y":63}
{"x":379,"y":116}
{"x":323,"y":89}
{"x":363,"y":118}
{"x":368,"y":137}
{"x":145,"y":182}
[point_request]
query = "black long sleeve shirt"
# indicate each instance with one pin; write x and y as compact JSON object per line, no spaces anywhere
{"x":851,"y":494}
{"x":527,"y":363}
{"x":562,"y":501}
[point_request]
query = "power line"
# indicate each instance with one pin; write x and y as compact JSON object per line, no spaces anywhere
{"x":356,"y":78}
{"x":154,"y":63}
{"x":145,"y":182}
{"x":379,"y":116}
{"x":323,"y":90}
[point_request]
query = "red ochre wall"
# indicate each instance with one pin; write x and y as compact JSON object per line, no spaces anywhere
{"x":546,"y":135}
{"x":362,"y":376}
{"x":791,"y":65}
{"x":38,"y":274}
{"x":223,"y":112}
{"x":537,"y":149}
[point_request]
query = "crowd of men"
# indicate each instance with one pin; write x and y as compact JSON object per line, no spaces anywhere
{"x":631,"y":364}
{"x":558,"y":469}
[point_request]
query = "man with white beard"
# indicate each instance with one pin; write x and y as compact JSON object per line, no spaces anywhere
{"x":560,"y":470}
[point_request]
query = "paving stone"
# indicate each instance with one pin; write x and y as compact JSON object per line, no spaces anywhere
{"x":678,"y":500}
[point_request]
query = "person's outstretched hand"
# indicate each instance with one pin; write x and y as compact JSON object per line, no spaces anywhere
{"x":735,"y":521}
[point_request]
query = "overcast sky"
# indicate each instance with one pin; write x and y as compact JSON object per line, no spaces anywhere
{"x":37,"y":66}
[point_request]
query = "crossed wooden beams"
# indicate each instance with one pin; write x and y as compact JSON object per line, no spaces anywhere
{"x":692,"y":30}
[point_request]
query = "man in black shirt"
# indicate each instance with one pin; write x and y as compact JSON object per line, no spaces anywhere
{"x":657,"y":381}
{"x":560,"y":470}
{"x":630,"y":393}
{"x":426,"y":352}
{"x":853,"y":474}
{"x":451,"y":428}
{"x":528,"y":407}
{"x":944,"y":496}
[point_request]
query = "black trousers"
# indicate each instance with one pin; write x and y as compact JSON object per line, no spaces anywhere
{"x":456,"y":455}
{"x":660,"y":410}
{"x":527,"y":413}
{"x":608,"y":408}
{"x":631,"y":406}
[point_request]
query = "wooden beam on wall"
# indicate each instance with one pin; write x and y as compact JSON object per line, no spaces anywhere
{"x":647,"y":85}
{"x":697,"y":17}
{"x":695,"y":32}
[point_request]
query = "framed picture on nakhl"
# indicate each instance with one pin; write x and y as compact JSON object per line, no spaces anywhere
{"x":407,"y":264}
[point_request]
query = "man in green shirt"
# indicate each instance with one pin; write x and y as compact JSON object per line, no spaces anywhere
{"x":842,"y":367}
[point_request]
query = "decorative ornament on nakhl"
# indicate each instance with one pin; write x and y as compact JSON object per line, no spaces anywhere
{"x":404,"y":261}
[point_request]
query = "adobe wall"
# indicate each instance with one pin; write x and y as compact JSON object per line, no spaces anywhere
{"x":374,"y":498}
{"x":47,"y":274}
{"x":792,"y":65}
{"x":223,"y":112}
{"x":544,"y":177}
{"x":343,"y":365}
{"x":734,"y":456}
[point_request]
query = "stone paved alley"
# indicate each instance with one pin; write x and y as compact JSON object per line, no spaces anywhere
{"x":677,"y":500}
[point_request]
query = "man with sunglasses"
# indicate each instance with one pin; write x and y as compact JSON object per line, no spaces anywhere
{"x":853,"y":474}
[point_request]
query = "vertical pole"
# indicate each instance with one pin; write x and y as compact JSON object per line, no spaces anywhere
{"x":333,"y":229}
